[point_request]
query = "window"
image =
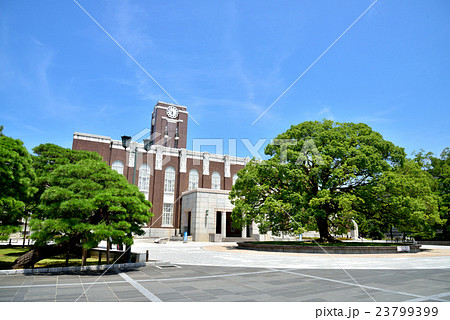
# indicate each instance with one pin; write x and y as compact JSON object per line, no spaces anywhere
{"x":144,"y":177}
{"x":169,"y":180}
{"x":117,"y":166}
{"x":193,"y":179}
{"x":167,"y":215}
{"x":215,"y":181}
{"x":234,"y":179}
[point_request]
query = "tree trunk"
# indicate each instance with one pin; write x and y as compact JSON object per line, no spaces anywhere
{"x":108,"y":245}
{"x":325,"y":236}
{"x":67,"y":259}
{"x":36,"y":254}
{"x":84,"y":257}
{"x":25,"y":232}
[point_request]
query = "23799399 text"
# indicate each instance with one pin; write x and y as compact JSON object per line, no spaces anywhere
{"x":407,"y":311}
{"x":352,"y":313}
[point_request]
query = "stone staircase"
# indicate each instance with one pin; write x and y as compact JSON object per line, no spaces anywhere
{"x":236,"y":239}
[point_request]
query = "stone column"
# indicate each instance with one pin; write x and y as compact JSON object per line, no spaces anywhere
{"x":224,"y":224}
{"x":183,"y":161}
{"x":205,"y":163}
{"x":244,"y":232}
{"x":159,"y":158}
{"x":226,"y":162}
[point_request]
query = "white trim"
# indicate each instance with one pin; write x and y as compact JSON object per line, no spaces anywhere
{"x":204,"y":190}
{"x":172,"y":120}
{"x":167,"y":151}
{"x":91,"y":137}
{"x":169,"y":197}
{"x":159,"y":104}
{"x":171,"y":105}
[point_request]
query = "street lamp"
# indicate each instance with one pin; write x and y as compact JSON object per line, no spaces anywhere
{"x":126,"y":141}
{"x":148,"y":144}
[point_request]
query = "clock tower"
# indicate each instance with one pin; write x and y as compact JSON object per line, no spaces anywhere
{"x":169,"y":125}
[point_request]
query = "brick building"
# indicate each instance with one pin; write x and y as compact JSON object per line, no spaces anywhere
{"x":188,"y":189}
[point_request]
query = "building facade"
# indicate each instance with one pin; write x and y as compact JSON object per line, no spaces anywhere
{"x":189,"y":190}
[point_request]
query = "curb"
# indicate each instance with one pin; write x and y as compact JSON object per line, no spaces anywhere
{"x":399,"y":249}
{"x":120,"y":266}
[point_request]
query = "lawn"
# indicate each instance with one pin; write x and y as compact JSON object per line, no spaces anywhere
{"x":9,"y":255}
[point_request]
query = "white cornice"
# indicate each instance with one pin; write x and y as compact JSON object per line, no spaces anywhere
{"x":203,"y":190}
{"x":160,"y":103}
{"x":91,"y":137}
{"x":172,"y":120}
{"x":167,"y":151}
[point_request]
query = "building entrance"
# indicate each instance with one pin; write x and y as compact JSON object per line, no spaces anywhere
{"x":219,"y":222}
{"x":232,"y":232}
{"x":189,"y":221}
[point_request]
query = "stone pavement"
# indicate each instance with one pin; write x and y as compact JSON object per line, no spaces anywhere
{"x":207,"y":283}
{"x":219,"y":272}
{"x":225,"y":254}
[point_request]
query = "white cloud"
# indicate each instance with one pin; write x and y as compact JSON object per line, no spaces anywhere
{"x":37,"y":42}
{"x":381,"y":116}
{"x":326,"y":113}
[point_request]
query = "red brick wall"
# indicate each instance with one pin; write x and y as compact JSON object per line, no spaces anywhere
{"x":156,"y":188}
{"x":102,"y":149}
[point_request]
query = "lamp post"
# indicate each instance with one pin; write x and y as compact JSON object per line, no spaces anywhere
{"x":126,"y":142}
{"x":147,"y":146}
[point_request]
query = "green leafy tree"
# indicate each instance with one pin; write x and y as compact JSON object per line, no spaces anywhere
{"x":49,"y":157}
{"x":441,"y":171}
{"x":439,"y":168}
{"x":319,"y":176}
{"x":16,"y":178}
{"x":81,"y":204}
{"x":402,"y":198}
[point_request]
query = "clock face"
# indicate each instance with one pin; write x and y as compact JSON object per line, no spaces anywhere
{"x":172,"y":112}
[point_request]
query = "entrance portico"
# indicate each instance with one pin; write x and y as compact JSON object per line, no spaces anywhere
{"x":206,"y":216}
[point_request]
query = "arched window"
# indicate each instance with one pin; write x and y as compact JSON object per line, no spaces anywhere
{"x":193,"y":179}
{"x":144,"y":177}
{"x":169,"y":180}
{"x":117,"y":166}
{"x":234,"y":179}
{"x":215,"y":181}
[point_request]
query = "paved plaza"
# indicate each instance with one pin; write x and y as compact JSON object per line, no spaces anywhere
{"x":211,"y":272}
{"x":226,"y":254}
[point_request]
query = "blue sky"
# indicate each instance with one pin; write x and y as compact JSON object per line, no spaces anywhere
{"x":227,"y":61}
